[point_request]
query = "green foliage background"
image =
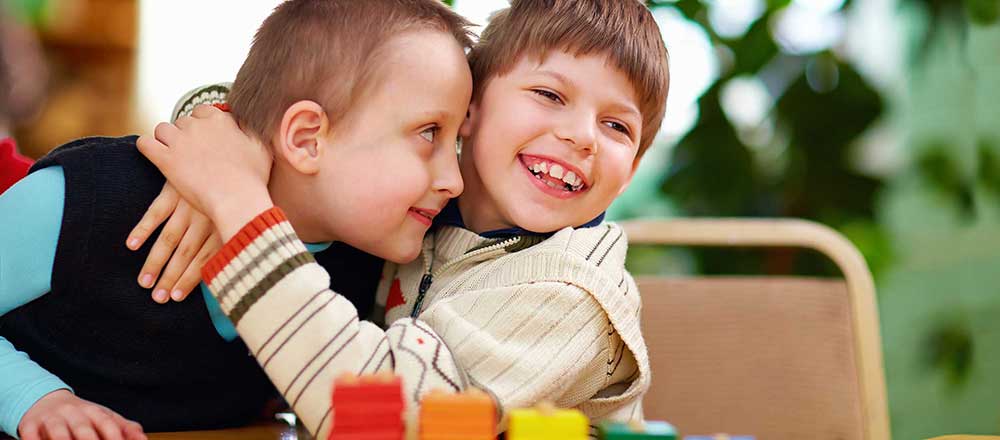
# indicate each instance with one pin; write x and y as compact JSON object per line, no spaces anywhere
{"x":929,"y":227}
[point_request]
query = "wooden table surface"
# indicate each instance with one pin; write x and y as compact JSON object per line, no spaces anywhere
{"x":271,"y":431}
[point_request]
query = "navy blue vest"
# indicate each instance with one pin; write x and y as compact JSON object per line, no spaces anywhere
{"x":162,"y":365}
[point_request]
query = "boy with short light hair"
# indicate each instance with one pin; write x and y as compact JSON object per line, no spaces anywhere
{"x":520,"y":281}
{"x":330,"y":88}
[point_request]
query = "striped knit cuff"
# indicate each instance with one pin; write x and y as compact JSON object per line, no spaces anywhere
{"x":260,"y":255}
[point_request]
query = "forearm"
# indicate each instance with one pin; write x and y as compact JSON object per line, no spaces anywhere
{"x":28,"y":240}
{"x":22,"y":383}
{"x":301,"y":332}
{"x":231,"y":214}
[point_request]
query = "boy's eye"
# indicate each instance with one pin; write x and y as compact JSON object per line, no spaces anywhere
{"x":429,"y":134}
{"x":547,"y":95}
{"x":618,"y":127}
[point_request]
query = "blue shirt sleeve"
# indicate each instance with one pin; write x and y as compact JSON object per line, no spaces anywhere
{"x":223,"y":326}
{"x":29,"y":231}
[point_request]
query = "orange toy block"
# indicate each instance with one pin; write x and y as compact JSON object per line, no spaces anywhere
{"x":467,"y":416}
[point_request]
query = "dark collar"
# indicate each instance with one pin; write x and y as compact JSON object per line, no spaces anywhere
{"x":451,"y":216}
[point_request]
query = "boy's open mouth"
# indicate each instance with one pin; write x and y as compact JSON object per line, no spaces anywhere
{"x":553,"y":174}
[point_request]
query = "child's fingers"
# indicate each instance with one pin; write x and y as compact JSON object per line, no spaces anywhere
{"x":183,"y":122}
{"x":56,"y":429}
{"x":153,"y":149}
{"x":191,"y":277}
{"x":106,"y":426}
{"x":164,"y":246}
{"x":205,"y":111}
{"x":131,"y":430}
{"x":166,"y":133}
{"x":84,"y":431}
{"x":161,"y":208}
{"x":80,"y":425}
{"x":30,"y":431}
{"x":183,"y":257}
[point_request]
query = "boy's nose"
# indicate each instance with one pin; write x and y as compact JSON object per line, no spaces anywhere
{"x":447,"y":176}
{"x":578,"y":129}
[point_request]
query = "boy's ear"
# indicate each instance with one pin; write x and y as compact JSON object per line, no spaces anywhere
{"x":300,"y":136}
{"x":466,"y":129}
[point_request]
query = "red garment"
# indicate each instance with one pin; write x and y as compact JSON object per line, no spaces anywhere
{"x":13,"y":166}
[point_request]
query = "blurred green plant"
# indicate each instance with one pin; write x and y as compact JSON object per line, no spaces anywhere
{"x":801,"y":168}
{"x":27,"y":11}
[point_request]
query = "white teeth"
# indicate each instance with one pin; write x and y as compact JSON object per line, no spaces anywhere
{"x":556,"y":171}
{"x":570,"y":178}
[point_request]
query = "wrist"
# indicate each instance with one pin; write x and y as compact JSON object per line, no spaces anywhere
{"x":232,"y":214}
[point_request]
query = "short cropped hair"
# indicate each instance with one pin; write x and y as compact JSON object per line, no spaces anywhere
{"x":325,"y":51}
{"x":624,"y":30}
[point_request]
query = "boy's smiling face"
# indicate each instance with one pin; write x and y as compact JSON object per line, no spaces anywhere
{"x":549,"y":144}
{"x":389,"y":166}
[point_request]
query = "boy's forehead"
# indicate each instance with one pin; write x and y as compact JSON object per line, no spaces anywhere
{"x":429,"y":57}
{"x":419,"y":75}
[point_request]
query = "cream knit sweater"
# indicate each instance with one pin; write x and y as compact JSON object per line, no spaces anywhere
{"x":524,"y":319}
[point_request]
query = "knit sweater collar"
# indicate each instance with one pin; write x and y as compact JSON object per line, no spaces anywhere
{"x":452,"y":216}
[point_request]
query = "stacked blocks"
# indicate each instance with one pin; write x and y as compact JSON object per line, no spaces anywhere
{"x":638,"y":430}
{"x":467,"y":416}
{"x":547,"y":423}
{"x":367,"y":408}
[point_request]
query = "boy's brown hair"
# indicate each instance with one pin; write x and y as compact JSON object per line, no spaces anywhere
{"x":325,"y":51}
{"x":624,"y":30}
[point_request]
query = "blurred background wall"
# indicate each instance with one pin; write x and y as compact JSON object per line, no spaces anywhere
{"x":880,"y":118}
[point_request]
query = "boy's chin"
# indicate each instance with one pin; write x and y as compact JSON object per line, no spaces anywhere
{"x":400,"y":254}
{"x":546,"y":224}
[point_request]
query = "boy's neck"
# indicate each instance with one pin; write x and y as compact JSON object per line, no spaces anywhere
{"x":474,"y":215}
{"x":478,"y":214}
{"x":286,"y":193}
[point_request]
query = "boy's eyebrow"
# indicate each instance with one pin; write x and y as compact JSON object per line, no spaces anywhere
{"x":627,"y":109}
{"x":566,"y":81}
{"x":556,"y":75}
{"x":437,"y":115}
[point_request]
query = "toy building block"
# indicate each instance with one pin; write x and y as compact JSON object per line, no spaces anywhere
{"x":544,"y":422}
{"x":467,"y":416}
{"x":367,"y":408}
{"x":638,"y":430}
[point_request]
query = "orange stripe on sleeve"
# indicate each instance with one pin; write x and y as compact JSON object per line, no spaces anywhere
{"x":264,"y":221}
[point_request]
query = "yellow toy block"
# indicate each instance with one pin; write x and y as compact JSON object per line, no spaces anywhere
{"x":547,"y":423}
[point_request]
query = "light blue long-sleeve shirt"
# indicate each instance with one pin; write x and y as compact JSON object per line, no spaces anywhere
{"x":30,"y":219}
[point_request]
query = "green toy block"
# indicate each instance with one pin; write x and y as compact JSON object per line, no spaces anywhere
{"x":638,"y":430}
